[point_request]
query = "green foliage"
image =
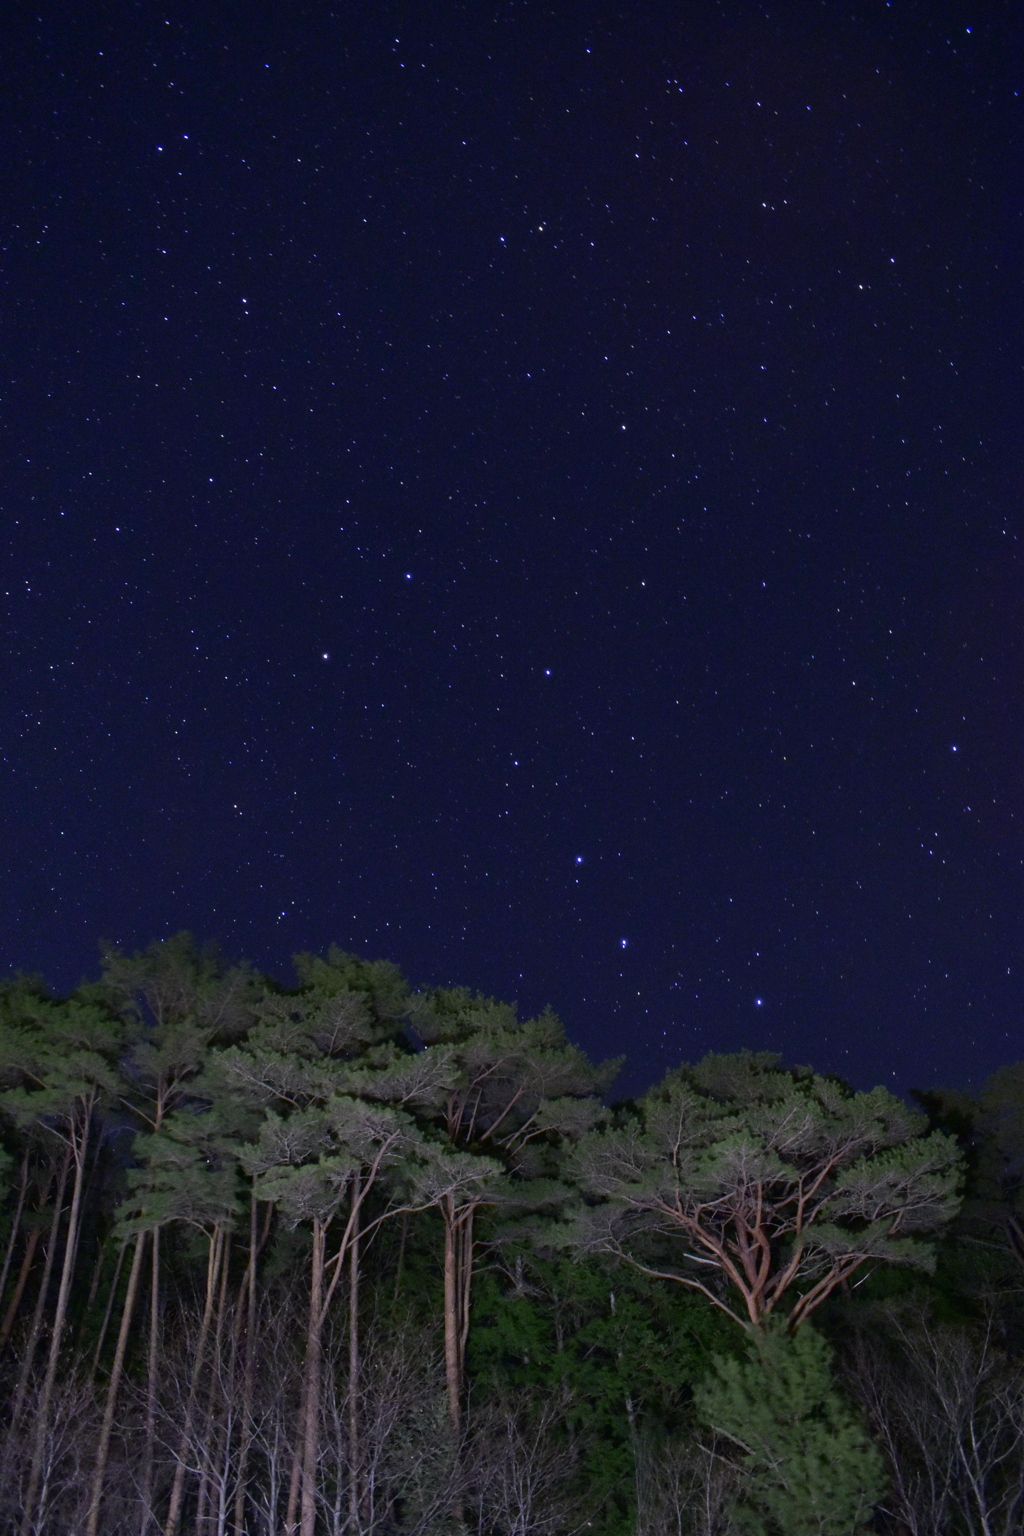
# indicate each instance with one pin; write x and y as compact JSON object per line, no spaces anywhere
{"x":175,"y":982}
{"x":989,"y":1255}
{"x":436,"y":1155}
{"x":304,"y":1163}
{"x":807,"y":1466}
{"x":381,"y":984}
{"x":777,"y":1184}
{"x":621,"y":1351}
{"x":180,"y":1175}
{"x":519,"y":1085}
{"x":56,"y":1058}
{"x":611,"y":1333}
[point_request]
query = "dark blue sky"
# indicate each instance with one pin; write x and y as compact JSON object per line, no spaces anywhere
{"x":533,"y":492}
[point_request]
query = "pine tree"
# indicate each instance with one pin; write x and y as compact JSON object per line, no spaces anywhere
{"x":735,"y":1176}
{"x":58,"y":1057}
{"x":807,"y":1466}
{"x":307,"y":1164}
{"x":321,"y":1149}
{"x":185,"y":1178}
{"x":502,"y":1091}
{"x":177,"y":999}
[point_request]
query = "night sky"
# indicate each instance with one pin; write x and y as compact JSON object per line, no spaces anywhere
{"x":532,"y":491}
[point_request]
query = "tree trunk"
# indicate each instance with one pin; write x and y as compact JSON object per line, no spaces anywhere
{"x":97,"y":1271}
{"x":109,"y":1309}
{"x":213,"y":1428}
{"x":15,"y":1225}
{"x":32,"y":1342}
{"x":212,"y":1277}
{"x":151,"y":1380}
{"x":247,"y":1367}
{"x":465,"y":1285}
{"x":31,"y":1244}
{"x":80,"y":1147}
{"x":451,"y":1336}
{"x":458,"y":1275}
{"x":355,"y":1460}
{"x":291,"y":1525}
{"x":311,"y":1406}
{"x":102,"y":1453}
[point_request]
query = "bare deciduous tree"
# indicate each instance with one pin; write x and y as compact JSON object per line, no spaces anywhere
{"x":521,"y":1463}
{"x":52,"y":1463}
{"x":947,"y":1408}
{"x":684,"y":1487}
{"x":404,"y":1462}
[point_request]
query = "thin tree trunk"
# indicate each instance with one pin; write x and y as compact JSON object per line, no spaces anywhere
{"x":15,"y":1225}
{"x":451,"y":1332}
{"x":247,"y":1368}
{"x":81,"y":1148}
{"x":212,"y":1276}
{"x":291,"y":1521}
{"x":458,"y":1274}
{"x":153,"y":1355}
{"x":355,"y":1459}
{"x":94,"y":1283}
{"x":311,"y":1407}
{"x":32,"y":1343}
{"x":108,"y":1312}
{"x":103,"y":1450}
{"x":292,"y":1509}
{"x":465,"y":1287}
{"x":91,"y":1176}
{"x":213,"y":1429}
{"x":458,"y":1271}
{"x":31,"y":1244}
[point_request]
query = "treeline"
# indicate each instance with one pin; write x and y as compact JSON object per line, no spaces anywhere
{"x":354,"y":1258}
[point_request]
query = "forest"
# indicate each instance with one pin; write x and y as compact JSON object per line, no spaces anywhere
{"x":351,"y":1257}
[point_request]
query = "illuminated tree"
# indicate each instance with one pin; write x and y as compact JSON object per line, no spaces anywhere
{"x":806,"y":1464}
{"x":57,"y":1059}
{"x":764,"y":1189}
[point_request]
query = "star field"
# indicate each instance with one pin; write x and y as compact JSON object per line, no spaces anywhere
{"x":531,"y":495}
